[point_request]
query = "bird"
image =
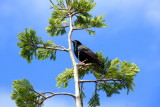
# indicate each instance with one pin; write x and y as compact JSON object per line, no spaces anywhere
{"x":85,"y":55}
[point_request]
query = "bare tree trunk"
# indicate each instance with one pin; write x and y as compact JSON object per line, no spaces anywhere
{"x":76,"y":78}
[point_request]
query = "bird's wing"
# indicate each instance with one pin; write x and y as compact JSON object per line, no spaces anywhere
{"x":85,"y":54}
{"x":87,"y":51}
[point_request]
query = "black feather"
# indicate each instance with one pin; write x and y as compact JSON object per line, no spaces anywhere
{"x":85,"y":55}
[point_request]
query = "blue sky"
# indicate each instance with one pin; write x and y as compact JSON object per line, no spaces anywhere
{"x":133,"y":34}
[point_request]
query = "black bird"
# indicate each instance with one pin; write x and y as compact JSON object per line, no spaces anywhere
{"x":85,"y":55}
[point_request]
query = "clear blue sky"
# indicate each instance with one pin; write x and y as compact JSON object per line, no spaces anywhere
{"x":133,"y":34}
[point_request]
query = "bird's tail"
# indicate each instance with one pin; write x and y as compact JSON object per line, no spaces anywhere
{"x":101,"y":64}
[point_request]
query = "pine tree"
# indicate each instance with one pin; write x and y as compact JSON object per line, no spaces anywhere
{"x":72,"y":14}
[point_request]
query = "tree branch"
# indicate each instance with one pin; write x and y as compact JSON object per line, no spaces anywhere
{"x":52,"y":48}
{"x":64,"y":25}
{"x":82,"y":28}
{"x":62,"y":9}
{"x":41,"y":94}
{"x":74,"y":13}
{"x":54,"y":94}
{"x":101,"y":80}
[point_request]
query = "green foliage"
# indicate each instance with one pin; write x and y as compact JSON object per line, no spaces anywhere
{"x":94,"y":101}
{"x":82,"y":93}
{"x":63,"y":78}
{"x":79,"y":8}
{"x":31,"y":45}
{"x":75,"y":5}
{"x":88,"y":22}
{"x":110,"y":88}
{"x":81,"y":5}
{"x":91,"y":32}
{"x":43,"y":54}
{"x":56,"y":23}
{"x":28,"y":41}
{"x":124,"y":72}
{"x":85,"y":22}
{"x":23,"y":94}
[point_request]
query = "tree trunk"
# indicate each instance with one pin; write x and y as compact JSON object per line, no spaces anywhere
{"x":76,"y":77}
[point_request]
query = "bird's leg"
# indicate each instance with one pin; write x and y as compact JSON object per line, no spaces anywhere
{"x":84,"y":61}
{"x":83,"y":64}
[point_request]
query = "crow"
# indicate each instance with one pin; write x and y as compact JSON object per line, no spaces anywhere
{"x":85,"y":55}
